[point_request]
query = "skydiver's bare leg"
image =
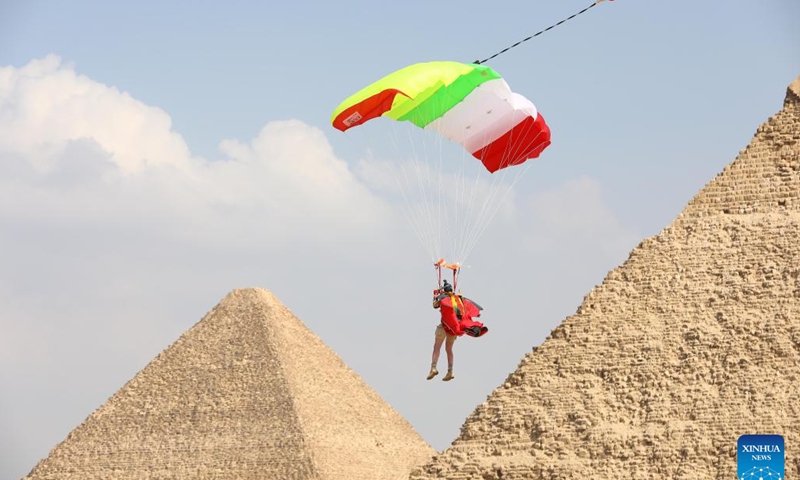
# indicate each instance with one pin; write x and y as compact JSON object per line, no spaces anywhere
{"x":448,"y":348}
{"x":437,"y":347}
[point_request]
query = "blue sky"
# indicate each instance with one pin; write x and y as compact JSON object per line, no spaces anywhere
{"x":100,"y":271}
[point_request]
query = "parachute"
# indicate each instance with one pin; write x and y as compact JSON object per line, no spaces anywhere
{"x":468,"y":104}
{"x":469,"y":107}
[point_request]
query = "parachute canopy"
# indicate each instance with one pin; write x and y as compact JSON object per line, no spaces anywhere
{"x":468,"y":103}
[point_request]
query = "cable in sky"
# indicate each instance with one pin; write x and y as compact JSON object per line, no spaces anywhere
{"x":539,"y":33}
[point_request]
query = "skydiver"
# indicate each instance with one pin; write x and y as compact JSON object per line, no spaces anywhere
{"x":456,"y":319}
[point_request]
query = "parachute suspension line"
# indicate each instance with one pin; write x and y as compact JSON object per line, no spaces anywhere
{"x":424,"y":215}
{"x":424,"y":218}
{"x":475,"y":201}
{"x":455,"y":267}
{"x":481,"y":217}
{"x":438,"y":209}
{"x":457,"y":220}
{"x":449,"y":189}
{"x":442,"y":212}
{"x":407,"y":207}
{"x":485,"y":224}
{"x":538,"y":33}
{"x":469,"y":190}
{"x":406,"y":210}
{"x":472,"y":217}
{"x":491,"y":206}
{"x":463,"y":209}
{"x":414,"y":220}
{"x":418,"y":186}
{"x":521,"y":169}
{"x":453,"y":208}
{"x":461,"y":214}
{"x":475,"y":197}
{"x":431,"y":168}
{"x":424,"y":197}
{"x":449,"y":212}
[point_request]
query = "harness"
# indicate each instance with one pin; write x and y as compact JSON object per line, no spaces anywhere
{"x":456,"y":301}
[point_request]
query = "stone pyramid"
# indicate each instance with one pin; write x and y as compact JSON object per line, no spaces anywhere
{"x":247,"y":393}
{"x":692,"y":342}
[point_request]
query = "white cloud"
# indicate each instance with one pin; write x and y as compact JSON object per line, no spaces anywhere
{"x":292,"y":171}
{"x":46,"y":105}
{"x":575,"y":214}
{"x":74,"y":148}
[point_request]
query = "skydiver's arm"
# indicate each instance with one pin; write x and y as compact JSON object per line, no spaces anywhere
{"x":437,"y":300}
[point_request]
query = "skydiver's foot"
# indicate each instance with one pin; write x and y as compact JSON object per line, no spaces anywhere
{"x":449,"y":376}
{"x":433,"y":373}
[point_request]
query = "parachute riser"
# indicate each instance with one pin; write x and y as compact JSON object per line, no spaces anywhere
{"x":455,"y":267}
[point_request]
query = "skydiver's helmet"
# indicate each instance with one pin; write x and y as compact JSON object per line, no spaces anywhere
{"x":447,"y":287}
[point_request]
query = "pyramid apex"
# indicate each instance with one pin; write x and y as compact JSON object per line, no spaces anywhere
{"x":793,"y":91}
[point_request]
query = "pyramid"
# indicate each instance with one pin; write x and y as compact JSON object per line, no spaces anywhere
{"x":692,"y":342}
{"x":247,"y":393}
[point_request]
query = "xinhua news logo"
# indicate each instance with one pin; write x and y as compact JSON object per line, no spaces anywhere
{"x":760,"y":457}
